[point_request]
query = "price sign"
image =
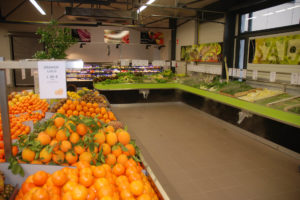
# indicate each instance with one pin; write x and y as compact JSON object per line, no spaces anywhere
{"x":23,"y":72}
{"x":28,"y":123}
{"x":173,"y":63}
{"x":140,"y":63}
{"x":244,"y":74}
{"x":159,"y":63}
{"x":230,"y":72}
{"x":272,"y":76}
{"x":294,"y":78}
{"x":52,"y":79}
{"x":254,"y":74}
{"x":234,"y":72}
{"x":125,"y":62}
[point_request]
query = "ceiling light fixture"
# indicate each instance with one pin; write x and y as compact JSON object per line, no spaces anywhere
{"x":279,"y":11}
{"x":267,"y":14}
{"x":37,"y":6}
{"x":144,"y":7}
{"x":290,"y":8}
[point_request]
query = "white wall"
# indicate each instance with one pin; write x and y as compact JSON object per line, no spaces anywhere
{"x":211,"y":32}
{"x":96,"y":51}
{"x":185,"y":35}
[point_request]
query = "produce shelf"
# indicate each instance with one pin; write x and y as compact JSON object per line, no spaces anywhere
{"x":271,"y":113}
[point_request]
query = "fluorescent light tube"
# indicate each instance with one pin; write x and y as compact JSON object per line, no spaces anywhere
{"x":144,"y":7}
{"x":267,"y":14}
{"x":251,"y":18}
{"x":290,"y":8}
{"x":36,"y":5}
{"x":279,"y":11}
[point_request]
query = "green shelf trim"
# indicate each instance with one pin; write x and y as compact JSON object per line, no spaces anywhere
{"x":278,"y":115}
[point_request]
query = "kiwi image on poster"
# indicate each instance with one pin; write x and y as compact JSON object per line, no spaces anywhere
{"x":209,"y":52}
{"x":275,"y":50}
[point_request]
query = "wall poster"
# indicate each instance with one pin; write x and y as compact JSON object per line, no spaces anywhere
{"x":116,"y":36}
{"x":82,"y":35}
{"x":152,"y":38}
{"x":209,"y":52}
{"x":275,"y":50}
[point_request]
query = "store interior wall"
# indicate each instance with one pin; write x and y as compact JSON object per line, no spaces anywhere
{"x":96,"y":50}
{"x":211,"y":32}
{"x":185,"y":36}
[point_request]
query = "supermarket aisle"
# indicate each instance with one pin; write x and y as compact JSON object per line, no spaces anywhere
{"x":198,"y":157}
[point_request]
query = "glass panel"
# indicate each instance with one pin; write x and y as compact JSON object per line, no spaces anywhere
{"x":278,"y":16}
{"x":241,"y":54}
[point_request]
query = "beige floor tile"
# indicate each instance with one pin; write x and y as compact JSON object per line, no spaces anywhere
{"x":197,"y":156}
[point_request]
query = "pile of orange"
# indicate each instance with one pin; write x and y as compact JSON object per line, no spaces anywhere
{"x":63,"y":143}
{"x":86,"y":182}
{"x":29,"y":104}
{"x":76,"y":108}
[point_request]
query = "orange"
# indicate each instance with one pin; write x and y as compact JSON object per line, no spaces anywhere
{"x":69,"y":112}
{"x":58,"y":157}
{"x":131,"y":170}
{"x":51,"y":131}
{"x":105,"y":148}
{"x":81,"y":129}
{"x":95,"y":105}
{"x":126,"y":194}
{"x":65,"y":106}
{"x":68,"y":102}
{"x":103,"y":110}
{"x":86,"y":170}
{"x":109,"y":128}
{"x":40,"y":178}
{"x":86,"y":180}
{"x":131,"y":150}
{"x":99,"y":172}
{"x":137,"y":187}
{"x":59,"y":178}
{"x":40,"y":194}
{"x":97,"y":110}
{"x":67,"y":196}
{"x":110,"y":159}
{"x":105,"y":191}
{"x":91,"y":194}
{"x":111,"y":138}
{"x":74,"y":138}
{"x":91,"y":110}
{"x":72,"y":107}
{"x":68,"y":186}
{"x":45,"y":156}
{"x":118,"y":169}
{"x":123,"y":137}
{"x":37,"y":162}
{"x":61,"y":135}
{"x":99,"y":137}
{"x":79,"y":108}
{"x":122,"y":159}
{"x":89,"y":105}
{"x":134,"y":177}
{"x":86,"y":156}
{"x":75,"y":113}
{"x":44,"y":138}
{"x":59,"y":122}
{"x":79,"y":192}
{"x":65,"y":146}
{"x":117,"y":150}
{"x":82,"y":103}
{"x":79,"y":149}
{"x":71,"y":158}
{"x":14,"y":150}
{"x":27,"y":186}
{"x":100,"y":182}
{"x":144,"y":197}
{"x":28,"y":155}
{"x":81,"y":113}
{"x":85,"y":109}
{"x":55,"y":145}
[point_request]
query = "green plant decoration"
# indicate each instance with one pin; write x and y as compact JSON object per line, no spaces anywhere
{"x":56,"y":40}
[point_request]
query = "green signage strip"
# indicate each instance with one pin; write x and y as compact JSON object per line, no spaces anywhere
{"x":278,"y":115}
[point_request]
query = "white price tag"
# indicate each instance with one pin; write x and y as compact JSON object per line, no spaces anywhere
{"x":254,"y":74}
{"x":48,"y":115}
{"x":28,"y":123}
{"x":159,"y":63}
{"x":173,"y":63}
{"x":52,"y":79}
{"x":244,"y":74}
{"x":23,"y":72}
{"x":125,"y":62}
{"x":230,"y":72}
{"x":272,"y":76}
{"x":234,"y":72}
{"x":294,"y":78}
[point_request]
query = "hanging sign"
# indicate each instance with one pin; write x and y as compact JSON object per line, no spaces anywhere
{"x":52,"y":79}
{"x":23,"y":72}
{"x":272,"y":76}
{"x":254,"y":74}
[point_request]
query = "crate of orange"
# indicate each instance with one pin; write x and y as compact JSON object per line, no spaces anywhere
{"x":76,"y":108}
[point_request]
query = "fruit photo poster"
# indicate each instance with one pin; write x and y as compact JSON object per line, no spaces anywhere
{"x":152,"y":38}
{"x":116,"y":37}
{"x":82,"y":35}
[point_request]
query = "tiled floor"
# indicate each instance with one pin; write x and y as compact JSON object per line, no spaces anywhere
{"x":196,"y":156}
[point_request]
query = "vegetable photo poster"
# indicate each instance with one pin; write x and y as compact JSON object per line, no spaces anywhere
{"x":276,"y":50}
{"x":209,"y":52}
{"x":82,"y":35}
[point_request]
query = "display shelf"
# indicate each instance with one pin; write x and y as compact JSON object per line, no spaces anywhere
{"x":271,"y":113}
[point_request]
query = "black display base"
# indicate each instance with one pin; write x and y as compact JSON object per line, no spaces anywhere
{"x":73,"y":85}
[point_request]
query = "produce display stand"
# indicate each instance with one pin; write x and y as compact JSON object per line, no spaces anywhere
{"x":264,"y":111}
{"x":30,"y":168}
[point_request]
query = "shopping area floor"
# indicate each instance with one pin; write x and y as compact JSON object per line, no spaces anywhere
{"x":198,"y":157}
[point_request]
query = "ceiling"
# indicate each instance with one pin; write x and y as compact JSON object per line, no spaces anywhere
{"x":118,"y":12}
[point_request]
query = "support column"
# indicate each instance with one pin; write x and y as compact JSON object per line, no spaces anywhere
{"x":173,"y":27}
{"x":228,"y":44}
{"x":5,"y":115}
